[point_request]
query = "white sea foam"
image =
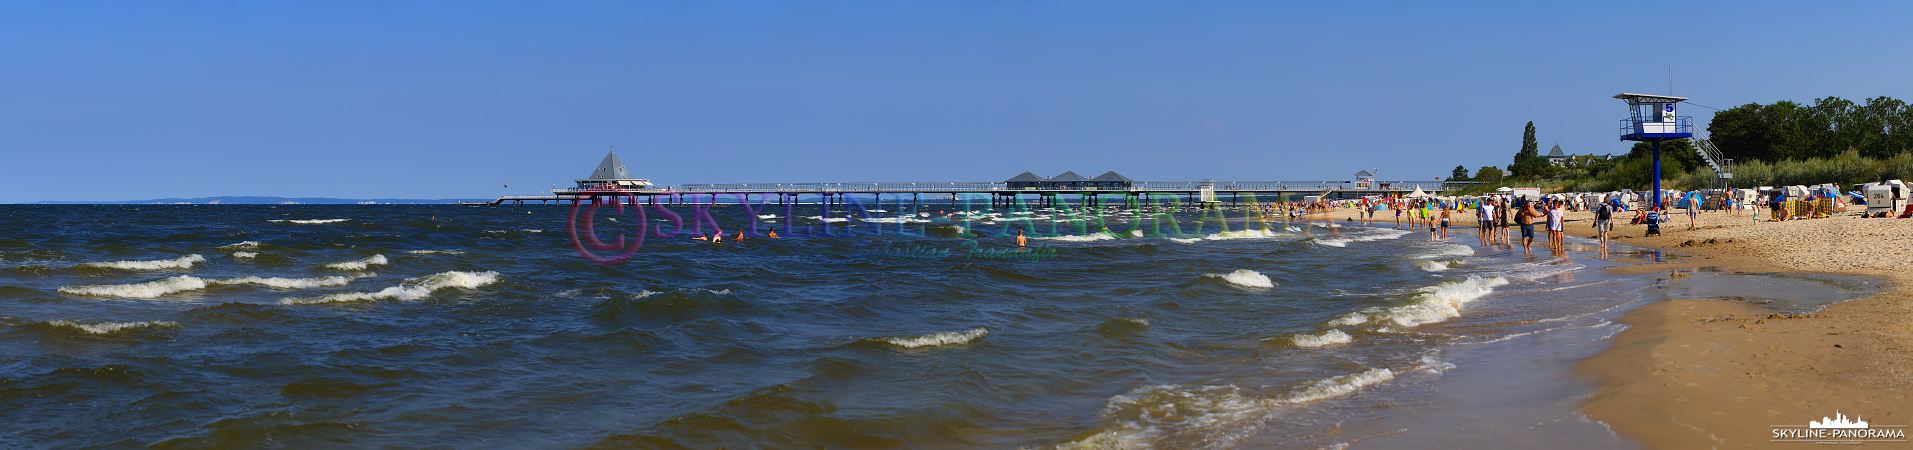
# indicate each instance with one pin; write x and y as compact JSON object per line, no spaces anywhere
{"x":767,"y":216}
{"x":161,"y":264}
{"x":1353,"y":318}
{"x":310,"y":221}
{"x":937,"y":339}
{"x":1244,"y":277}
{"x":1442,"y":302}
{"x":362,"y":264}
{"x":150,"y":289}
{"x":896,"y":220}
{"x":1446,"y":250}
{"x":241,"y":245}
{"x":245,"y":255}
{"x":109,"y":327}
{"x":1339,"y":386}
{"x":1252,"y":233}
{"x":291,"y":283}
{"x":410,"y":289}
{"x":1186,"y":241}
{"x":1098,"y":236}
{"x":1331,"y":337}
{"x":1362,"y":236}
{"x":1429,"y":363}
{"x":429,"y":252}
{"x":1218,"y":416}
{"x":1433,"y":265}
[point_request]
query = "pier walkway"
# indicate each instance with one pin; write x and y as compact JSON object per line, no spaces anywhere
{"x":1206,"y":191}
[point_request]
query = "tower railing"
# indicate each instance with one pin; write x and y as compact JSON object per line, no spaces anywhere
{"x":1635,"y":129}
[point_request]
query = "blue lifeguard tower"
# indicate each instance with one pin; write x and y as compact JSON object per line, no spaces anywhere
{"x":1651,"y":119}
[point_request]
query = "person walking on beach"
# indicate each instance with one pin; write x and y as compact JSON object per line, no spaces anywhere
{"x":1502,"y":209}
{"x":1557,"y":225}
{"x":1693,"y":210}
{"x":1603,"y":221}
{"x":1525,"y":219}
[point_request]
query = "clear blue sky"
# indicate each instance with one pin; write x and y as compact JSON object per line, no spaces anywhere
{"x":124,"y":100}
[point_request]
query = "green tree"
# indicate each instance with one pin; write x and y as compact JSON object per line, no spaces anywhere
{"x":1528,"y":163}
{"x":1489,"y":174}
{"x":1460,"y":174}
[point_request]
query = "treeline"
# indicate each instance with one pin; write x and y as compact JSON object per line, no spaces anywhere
{"x":1834,"y":140}
{"x":1788,"y":131}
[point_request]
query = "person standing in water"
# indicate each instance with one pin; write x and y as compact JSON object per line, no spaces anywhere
{"x":1557,"y":224}
{"x":1525,"y":219}
{"x":1603,"y":221}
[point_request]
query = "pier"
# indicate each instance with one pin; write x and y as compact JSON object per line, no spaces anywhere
{"x":1110,"y":189}
{"x":1000,"y":194}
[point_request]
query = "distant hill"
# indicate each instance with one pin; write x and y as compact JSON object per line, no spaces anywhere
{"x":276,"y":201}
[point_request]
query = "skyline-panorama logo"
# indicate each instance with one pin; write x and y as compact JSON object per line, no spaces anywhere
{"x":1839,"y":430}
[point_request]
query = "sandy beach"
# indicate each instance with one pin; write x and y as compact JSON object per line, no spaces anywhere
{"x":1701,"y":373}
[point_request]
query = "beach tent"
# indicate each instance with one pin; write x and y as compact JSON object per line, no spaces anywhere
{"x":1418,"y":193}
{"x":1504,"y":189}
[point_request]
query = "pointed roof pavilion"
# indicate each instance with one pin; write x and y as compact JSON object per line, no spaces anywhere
{"x":1067,"y":176}
{"x":1112,"y":176}
{"x":612,"y":171}
{"x":1025,"y":177}
{"x":1364,"y":174}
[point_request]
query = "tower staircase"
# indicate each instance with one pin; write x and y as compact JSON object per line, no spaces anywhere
{"x":1723,"y":167}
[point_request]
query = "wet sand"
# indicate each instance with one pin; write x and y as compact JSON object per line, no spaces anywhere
{"x":1700,"y":373}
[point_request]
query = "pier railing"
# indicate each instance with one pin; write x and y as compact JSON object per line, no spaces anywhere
{"x":998,"y":187}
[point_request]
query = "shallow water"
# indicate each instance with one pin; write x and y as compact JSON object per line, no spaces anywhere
{"x":458,"y":327}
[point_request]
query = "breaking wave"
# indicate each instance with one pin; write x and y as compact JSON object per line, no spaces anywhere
{"x":1098,"y":236}
{"x":109,"y":327}
{"x":1445,"y":250}
{"x":937,"y":339}
{"x":359,"y":264}
{"x":1171,"y":416}
{"x":241,"y":245}
{"x":1435,"y":304}
{"x":1381,"y":234}
{"x":430,"y":252}
{"x":182,"y":262}
{"x":309,"y":221}
{"x":245,"y":255}
{"x":292,"y":283}
{"x":1331,"y":337}
{"x":410,"y":289}
{"x":150,"y":289}
{"x":1244,"y":277}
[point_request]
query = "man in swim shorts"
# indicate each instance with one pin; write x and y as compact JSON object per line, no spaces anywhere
{"x":1525,"y":219}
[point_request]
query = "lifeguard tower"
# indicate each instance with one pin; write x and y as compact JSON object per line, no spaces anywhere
{"x":1651,"y":119}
